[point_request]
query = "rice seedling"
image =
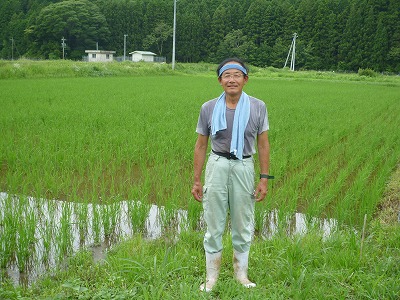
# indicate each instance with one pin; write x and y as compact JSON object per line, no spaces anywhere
{"x":46,"y":239}
{"x":81,"y":218}
{"x":96,"y":224}
{"x":138,"y":212}
{"x":64,"y":231}
{"x":25,"y":235}
{"x":106,"y":219}
{"x":194,"y":215}
{"x":8,"y":227}
{"x":168,"y":219}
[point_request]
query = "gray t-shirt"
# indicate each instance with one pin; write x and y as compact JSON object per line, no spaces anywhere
{"x":221,"y":142}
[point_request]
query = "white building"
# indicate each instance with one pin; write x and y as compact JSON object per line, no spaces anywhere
{"x":142,"y":56}
{"x":100,"y":55}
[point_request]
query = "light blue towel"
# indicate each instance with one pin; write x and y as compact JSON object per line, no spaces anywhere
{"x":240,"y":120}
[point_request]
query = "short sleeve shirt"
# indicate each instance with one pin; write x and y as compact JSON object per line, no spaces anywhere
{"x":258,"y":123}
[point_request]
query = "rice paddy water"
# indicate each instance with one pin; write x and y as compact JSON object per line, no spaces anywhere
{"x":57,"y":229}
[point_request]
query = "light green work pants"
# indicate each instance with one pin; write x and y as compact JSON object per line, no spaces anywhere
{"x":228,"y":187}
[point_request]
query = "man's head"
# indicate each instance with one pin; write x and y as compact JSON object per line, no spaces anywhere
{"x":232,"y":75}
{"x":234,"y":63}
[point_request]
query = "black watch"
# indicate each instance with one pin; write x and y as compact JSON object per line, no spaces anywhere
{"x":266,"y":176}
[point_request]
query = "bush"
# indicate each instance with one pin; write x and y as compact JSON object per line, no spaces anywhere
{"x":366,"y":72}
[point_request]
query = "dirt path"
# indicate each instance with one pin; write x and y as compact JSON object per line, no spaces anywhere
{"x":388,"y":210}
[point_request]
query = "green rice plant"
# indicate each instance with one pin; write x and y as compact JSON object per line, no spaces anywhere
{"x":105,"y":220}
{"x":46,"y":217}
{"x":96,"y":224}
{"x":105,"y":212}
{"x":138,"y":212}
{"x":64,"y":231}
{"x":194,"y":214}
{"x":46,"y":236}
{"x":334,"y":143}
{"x":168,"y":218}
{"x":25,"y":232}
{"x":114,"y":213}
{"x":81,"y":217}
{"x":259,"y":218}
{"x":8,"y":228}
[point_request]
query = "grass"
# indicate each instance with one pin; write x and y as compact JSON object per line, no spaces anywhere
{"x":103,"y":133}
{"x":307,"y":267}
{"x":66,"y":69}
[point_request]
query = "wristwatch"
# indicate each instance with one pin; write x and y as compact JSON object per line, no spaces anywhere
{"x":266,"y":176}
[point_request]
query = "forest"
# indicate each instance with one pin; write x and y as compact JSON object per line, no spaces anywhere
{"x":332,"y":35}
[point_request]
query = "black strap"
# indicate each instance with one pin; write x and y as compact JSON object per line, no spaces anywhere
{"x":267,"y":176}
{"x":229,"y":155}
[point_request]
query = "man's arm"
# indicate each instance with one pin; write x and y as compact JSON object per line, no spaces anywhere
{"x":263,"y":157}
{"x":200,"y":151}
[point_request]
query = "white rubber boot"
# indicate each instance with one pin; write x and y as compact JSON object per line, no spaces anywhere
{"x":240,"y":266}
{"x":213,"y":264}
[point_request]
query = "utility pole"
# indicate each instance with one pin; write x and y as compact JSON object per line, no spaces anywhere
{"x":292,"y":50}
{"x":63,"y":46}
{"x":12,"y":48}
{"x":174,"y":38}
{"x":125,"y":35}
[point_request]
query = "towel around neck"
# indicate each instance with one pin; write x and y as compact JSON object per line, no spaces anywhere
{"x":240,"y":120}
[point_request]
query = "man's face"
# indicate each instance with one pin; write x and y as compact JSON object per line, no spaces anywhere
{"x":232,"y":81}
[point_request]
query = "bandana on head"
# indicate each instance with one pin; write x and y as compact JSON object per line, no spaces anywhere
{"x":232,"y":66}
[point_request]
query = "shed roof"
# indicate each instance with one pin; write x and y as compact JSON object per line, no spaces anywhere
{"x":100,"y":51}
{"x":143,"y":53}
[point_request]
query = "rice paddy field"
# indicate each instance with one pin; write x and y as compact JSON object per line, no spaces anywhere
{"x":87,"y":151}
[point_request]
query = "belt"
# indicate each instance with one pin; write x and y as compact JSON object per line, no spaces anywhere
{"x":229,"y":155}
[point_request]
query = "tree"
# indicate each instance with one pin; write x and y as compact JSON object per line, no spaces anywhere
{"x":324,"y":39}
{"x":235,"y":44}
{"x":380,"y":47}
{"x":8,"y":11}
{"x":193,"y":27}
{"x":220,"y":26}
{"x":158,"y":37}
{"x":255,"y":22}
{"x":80,"y":22}
{"x":333,"y":34}
{"x":123,"y":17}
{"x":349,"y":55}
{"x":190,"y":37}
{"x":279,"y":53}
{"x":392,"y":18}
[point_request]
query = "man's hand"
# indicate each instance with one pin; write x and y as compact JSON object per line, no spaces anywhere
{"x":197,"y":191}
{"x":261,"y":190}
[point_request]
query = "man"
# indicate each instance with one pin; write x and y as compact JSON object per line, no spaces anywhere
{"x":235,"y":122}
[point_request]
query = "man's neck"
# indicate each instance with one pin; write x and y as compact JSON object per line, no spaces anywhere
{"x":232,"y":101}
